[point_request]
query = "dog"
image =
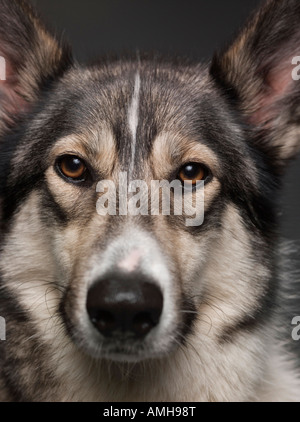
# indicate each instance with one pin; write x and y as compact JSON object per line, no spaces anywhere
{"x":145,"y":307}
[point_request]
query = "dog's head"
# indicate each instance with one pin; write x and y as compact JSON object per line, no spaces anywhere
{"x":124,"y":286}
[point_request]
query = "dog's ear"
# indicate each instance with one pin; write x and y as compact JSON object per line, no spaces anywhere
{"x":259,"y":73}
{"x":30,"y":59}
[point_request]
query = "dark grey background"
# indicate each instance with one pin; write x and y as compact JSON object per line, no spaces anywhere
{"x":188,"y":27}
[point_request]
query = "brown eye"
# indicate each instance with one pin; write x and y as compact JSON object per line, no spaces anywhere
{"x":193,"y":173}
{"x":72,"y":167}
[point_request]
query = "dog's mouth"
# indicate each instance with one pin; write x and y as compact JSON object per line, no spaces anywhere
{"x":126,"y":351}
{"x":123,"y":347}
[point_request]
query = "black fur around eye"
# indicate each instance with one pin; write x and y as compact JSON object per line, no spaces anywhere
{"x":192,"y":173}
{"x":72,"y":167}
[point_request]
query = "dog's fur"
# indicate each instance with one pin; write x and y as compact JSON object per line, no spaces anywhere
{"x":225,"y":330}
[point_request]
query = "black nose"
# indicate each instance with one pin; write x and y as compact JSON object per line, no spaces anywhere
{"x":124,"y":305}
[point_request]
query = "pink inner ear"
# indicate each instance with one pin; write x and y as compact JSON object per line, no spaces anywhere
{"x":11,"y":101}
{"x":277,"y":84}
{"x":280,"y":80}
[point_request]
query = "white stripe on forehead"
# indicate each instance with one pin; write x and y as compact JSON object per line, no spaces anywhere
{"x":133,"y":117}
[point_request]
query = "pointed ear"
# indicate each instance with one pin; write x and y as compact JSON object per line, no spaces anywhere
{"x":258,"y":71}
{"x":30,"y":58}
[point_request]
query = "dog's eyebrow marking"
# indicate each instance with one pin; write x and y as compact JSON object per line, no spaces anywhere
{"x":133,"y":117}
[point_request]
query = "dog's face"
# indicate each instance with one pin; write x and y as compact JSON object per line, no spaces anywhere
{"x":125,"y":287}
{"x":129,"y":285}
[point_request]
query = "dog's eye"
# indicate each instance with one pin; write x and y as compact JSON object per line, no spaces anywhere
{"x":72,"y":167}
{"x":193,"y":173}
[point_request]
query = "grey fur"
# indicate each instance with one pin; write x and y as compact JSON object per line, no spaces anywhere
{"x":218,"y":337}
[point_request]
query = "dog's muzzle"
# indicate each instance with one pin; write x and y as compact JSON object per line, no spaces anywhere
{"x":123,"y":306}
